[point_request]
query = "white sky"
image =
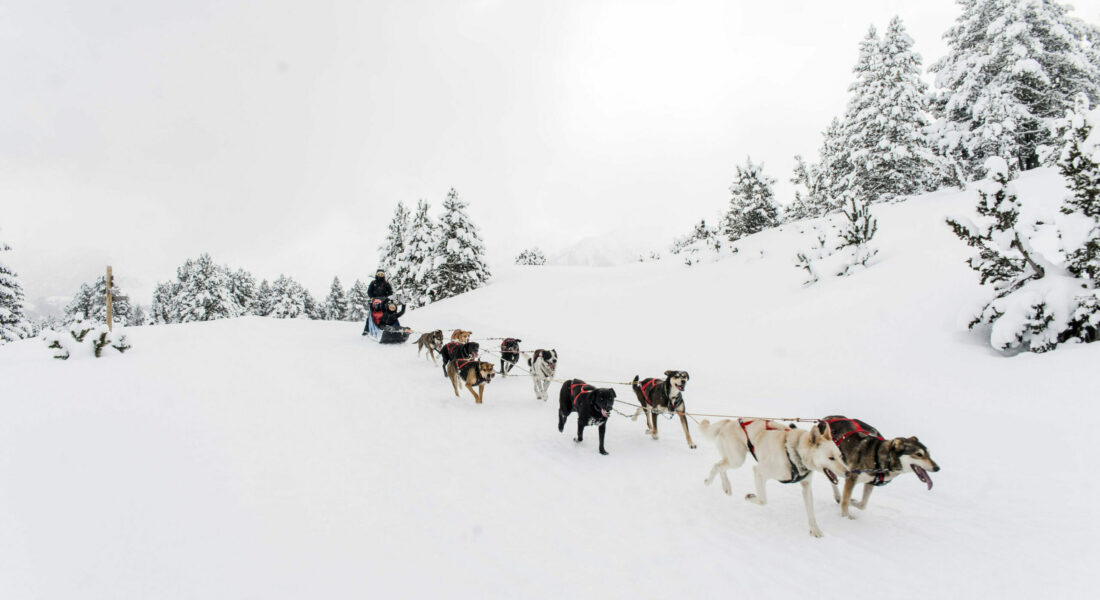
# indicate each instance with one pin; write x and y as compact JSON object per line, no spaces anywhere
{"x":279,"y":135}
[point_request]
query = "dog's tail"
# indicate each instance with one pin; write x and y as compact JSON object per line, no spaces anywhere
{"x":709,"y":431}
{"x":634,"y":384}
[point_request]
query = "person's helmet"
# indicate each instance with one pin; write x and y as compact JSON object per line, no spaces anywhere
{"x":380,"y":273}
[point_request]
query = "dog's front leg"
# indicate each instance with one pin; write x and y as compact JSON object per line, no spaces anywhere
{"x":687,"y":432}
{"x":603,"y":430}
{"x":719,"y":468}
{"x":846,"y":499}
{"x":480,"y":393}
{"x":862,"y":504}
{"x":477,"y":398}
{"x":454,"y":382}
{"x":761,"y":496}
{"x":808,"y":498}
{"x":580,"y":428}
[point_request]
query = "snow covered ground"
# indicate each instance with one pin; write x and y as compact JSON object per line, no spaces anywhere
{"x":262,"y":458}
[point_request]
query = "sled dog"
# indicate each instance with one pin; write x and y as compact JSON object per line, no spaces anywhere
{"x":471,"y":372}
{"x":509,"y":355}
{"x":543,"y":365}
{"x":455,"y":350}
{"x":662,"y":396}
{"x":592,"y":405}
{"x":786,"y":454}
{"x":874,"y":461}
{"x":459,"y":335}
{"x":433,"y":341}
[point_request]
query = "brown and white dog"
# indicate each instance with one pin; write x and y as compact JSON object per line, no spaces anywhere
{"x":658,"y":396}
{"x":459,"y":335}
{"x":472,"y":372}
{"x":874,"y":460}
{"x":433,"y":341}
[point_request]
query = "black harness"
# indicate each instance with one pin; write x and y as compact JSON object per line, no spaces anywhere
{"x":857,"y":429}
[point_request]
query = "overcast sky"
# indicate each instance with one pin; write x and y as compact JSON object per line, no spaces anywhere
{"x":278,"y":136}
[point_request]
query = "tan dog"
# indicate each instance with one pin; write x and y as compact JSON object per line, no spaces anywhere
{"x":472,"y":372}
{"x":461,"y":336}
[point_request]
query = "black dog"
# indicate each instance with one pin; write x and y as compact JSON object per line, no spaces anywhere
{"x":509,"y":355}
{"x":456,"y":350}
{"x":592,"y":405}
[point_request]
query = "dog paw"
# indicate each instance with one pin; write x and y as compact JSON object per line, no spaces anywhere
{"x":816,"y":533}
{"x":604,"y":452}
{"x":728,"y":491}
{"x":576,"y":440}
{"x":692,"y":446}
{"x":851,"y":516}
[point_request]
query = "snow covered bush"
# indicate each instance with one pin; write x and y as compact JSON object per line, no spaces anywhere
{"x":84,"y":338}
{"x":531,"y":257}
{"x":13,"y":325}
{"x":703,"y":242}
{"x":1041,"y":253}
{"x":841,"y":242}
{"x":752,"y":205}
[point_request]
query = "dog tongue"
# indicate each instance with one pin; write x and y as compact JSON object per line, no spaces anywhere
{"x":922,"y":475}
{"x":604,"y":413}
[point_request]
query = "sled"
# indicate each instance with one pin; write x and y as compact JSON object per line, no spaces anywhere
{"x":387,"y":334}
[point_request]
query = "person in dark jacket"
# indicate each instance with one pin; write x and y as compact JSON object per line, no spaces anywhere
{"x":391,"y":314}
{"x":379,"y":288}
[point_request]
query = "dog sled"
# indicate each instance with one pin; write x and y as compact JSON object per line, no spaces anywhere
{"x":384,"y":334}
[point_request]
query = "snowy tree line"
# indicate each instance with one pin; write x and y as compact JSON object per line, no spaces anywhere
{"x":428,"y":260}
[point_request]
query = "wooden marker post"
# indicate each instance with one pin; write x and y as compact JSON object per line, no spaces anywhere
{"x":110,"y":306}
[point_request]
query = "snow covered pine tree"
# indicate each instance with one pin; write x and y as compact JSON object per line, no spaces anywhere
{"x":1012,"y":69}
{"x":13,"y":324}
{"x":336,"y":303}
{"x":460,"y":256}
{"x":531,"y":257}
{"x":358,"y":301}
{"x":752,"y":207}
{"x":394,"y":247}
{"x":419,"y":258}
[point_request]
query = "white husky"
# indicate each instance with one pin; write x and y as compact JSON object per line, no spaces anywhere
{"x":782,"y":453}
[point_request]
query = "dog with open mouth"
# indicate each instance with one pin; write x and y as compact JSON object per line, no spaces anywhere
{"x":657,"y":396}
{"x":592,"y":404}
{"x":873,"y":460}
{"x":543,"y":364}
{"x":456,"y":350}
{"x":784,"y":453}
{"x":471,"y":372}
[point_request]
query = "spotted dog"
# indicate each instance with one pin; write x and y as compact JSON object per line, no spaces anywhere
{"x":543,"y":365}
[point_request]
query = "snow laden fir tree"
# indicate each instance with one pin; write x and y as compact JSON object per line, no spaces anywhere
{"x":460,"y":265}
{"x":13,"y":324}
{"x":752,"y":206}
{"x":418,"y":259}
{"x":1013,"y":68}
{"x":1041,"y":254}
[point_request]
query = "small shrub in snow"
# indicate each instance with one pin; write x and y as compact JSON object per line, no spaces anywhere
{"x":841,"y":244}
{"x":752,"y":205}
{"x":84,"y":338}
{"x":531,"y":257}
{"x":855,"y":234}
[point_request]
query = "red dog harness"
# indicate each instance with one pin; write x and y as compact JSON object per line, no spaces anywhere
{"x":585,"y":389}
{"x":748,"y":440}
{"x":880,"y":476}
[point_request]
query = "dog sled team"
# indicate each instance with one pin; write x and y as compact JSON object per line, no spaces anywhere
{"x":835,"y":446}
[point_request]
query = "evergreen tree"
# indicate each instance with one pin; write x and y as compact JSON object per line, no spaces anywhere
{"x":313,"y":308}
{"x":890,"y":151}
{"x":809,"y":202}
{"x":461,"y":255}
{"x":264,"y":300}
{"x":288,"y":299}
{"x":394,"y":247}
{"x":336,"y":303}
{"x":242,"y":287}
{"x":1079,"y":163}
{"x":833,"y":172}
{"x":165,"y":309}
{"x":419,"y":258}
{"x":531,"y":257}
{"x":1012,"y":68}
{"x":858,"y":229}
{"x":205,"y":292}
{"x":137,"y":316}
{"x":752,"y":207}
{"x":13,"y":323}
{"x":358,"y":302}
{"x":90,"y":303}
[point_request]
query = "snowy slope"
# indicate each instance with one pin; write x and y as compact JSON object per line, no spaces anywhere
{"x":289,"y":459}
